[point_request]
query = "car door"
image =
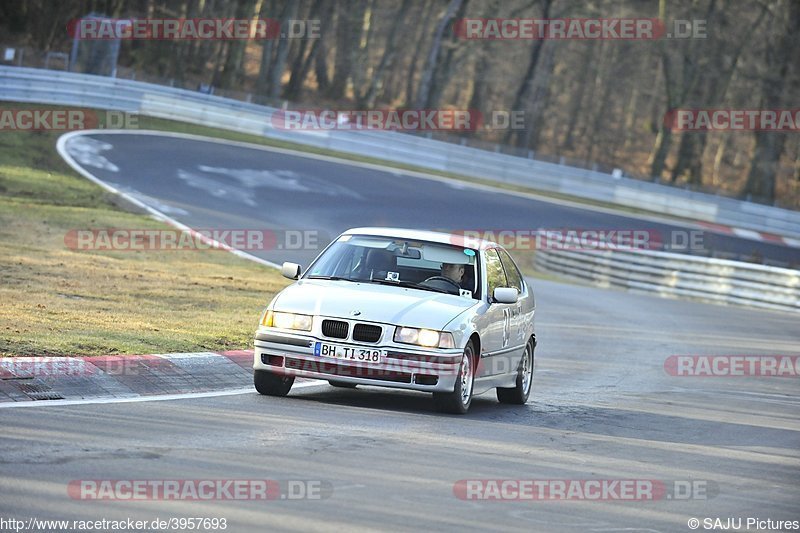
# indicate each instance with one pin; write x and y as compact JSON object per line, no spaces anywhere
{"x":517,"y":338}
{"x":495,"y":357}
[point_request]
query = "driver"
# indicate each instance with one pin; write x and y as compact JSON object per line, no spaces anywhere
{"x":453,"y":271}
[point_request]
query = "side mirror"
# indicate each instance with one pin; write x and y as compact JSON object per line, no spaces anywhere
{"x":505,"y":295}
{"x":291,"y":270}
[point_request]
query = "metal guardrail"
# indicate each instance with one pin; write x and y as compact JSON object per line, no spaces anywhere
{"x":66,"y":88}
{"x":676,"y":275}
{"x":663,"y":273}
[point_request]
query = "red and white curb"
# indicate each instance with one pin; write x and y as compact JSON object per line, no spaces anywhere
{"x":126,"y":377}
{"x":751,"y":234}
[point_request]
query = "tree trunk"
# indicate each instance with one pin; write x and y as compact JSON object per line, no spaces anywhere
{"x":359,"y":75}
{"x":279,"y":65}
{"x":389,"y":54}
{"x":268,"y":8}
{"x":766,"y":155}
{"x":321,"y":65}
{"x":412,"y":68}
{"x":719,"y":157}
{"x":712,"y":88}
{"x":526,"y":86}
{"x":680,"y":80}
{"x":577,"y":99}
{"x":449,"y":60}
{"x":426,"y":81}
{"x":349,"y":28}
{"x":605,"y":78}
{"x":232,"y":71}
{"x":303,"y":61}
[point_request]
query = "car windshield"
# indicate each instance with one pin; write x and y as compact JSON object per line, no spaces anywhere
{"x":387,"y":260}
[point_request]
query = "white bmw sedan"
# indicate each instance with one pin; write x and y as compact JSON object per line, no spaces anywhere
{"x":407,"y":309}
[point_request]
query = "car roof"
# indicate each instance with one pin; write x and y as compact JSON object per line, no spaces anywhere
{"x":424,"y":235}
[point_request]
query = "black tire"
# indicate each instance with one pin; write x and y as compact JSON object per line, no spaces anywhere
{"x":342,"y":384}
{"x":458,"y":401}
{"x":520,"y":393}
{"x":271,"y":384}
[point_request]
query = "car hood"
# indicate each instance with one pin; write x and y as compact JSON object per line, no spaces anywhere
{"x":377,"y":303}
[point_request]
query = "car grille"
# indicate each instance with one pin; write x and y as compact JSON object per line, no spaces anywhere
{"x":367,"y":333}
{"x":335,"y":328}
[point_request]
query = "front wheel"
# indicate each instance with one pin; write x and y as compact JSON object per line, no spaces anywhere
{"x":520,"y":393}
{"x":271,"y":384}
{"x":458,"y":401}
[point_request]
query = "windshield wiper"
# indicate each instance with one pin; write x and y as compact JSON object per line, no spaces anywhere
{"x":335,"y":278}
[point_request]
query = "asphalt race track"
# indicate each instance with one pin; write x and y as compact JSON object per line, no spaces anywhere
{"x":217,"y":185}
{"x":603,"y":406}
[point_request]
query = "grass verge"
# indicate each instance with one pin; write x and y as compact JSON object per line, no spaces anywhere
{"x":59,"y":301}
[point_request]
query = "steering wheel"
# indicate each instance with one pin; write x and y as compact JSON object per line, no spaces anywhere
{"x":455,"y":285}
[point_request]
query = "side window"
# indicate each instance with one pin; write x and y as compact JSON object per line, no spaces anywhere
{"x":512,"y":272}
{"x":495,"y":276}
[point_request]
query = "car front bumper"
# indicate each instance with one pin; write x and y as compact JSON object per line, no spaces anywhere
{"x":405,"y":367}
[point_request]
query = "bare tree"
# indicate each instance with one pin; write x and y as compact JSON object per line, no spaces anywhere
{"x":781,"y":67}
{"x":388,"y":57}
{"x":426,"y":80}
{"x":525,"y":90}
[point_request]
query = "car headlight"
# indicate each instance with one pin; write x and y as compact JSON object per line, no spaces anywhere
{"x":424,"y":337}
{"x":277,"y":319}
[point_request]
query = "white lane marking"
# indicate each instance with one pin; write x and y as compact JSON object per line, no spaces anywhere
{"x":88,"y":152}
{"x":61,"y":147}
{"x":138,"y":399}
{"x":218,"y":189}
{"x":280,"y":179}
{"x":391,"y":170}
{"x":188,"y":355}
{"x":346,"y":487}
{"x":149,"y":200}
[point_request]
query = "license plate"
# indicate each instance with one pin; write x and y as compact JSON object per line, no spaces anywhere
{"x":349,"y":353}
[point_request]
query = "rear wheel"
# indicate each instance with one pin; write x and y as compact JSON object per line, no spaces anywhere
{"x":271,"y":384}
{"x":520,"y":393}
{"x":458,"y":401}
